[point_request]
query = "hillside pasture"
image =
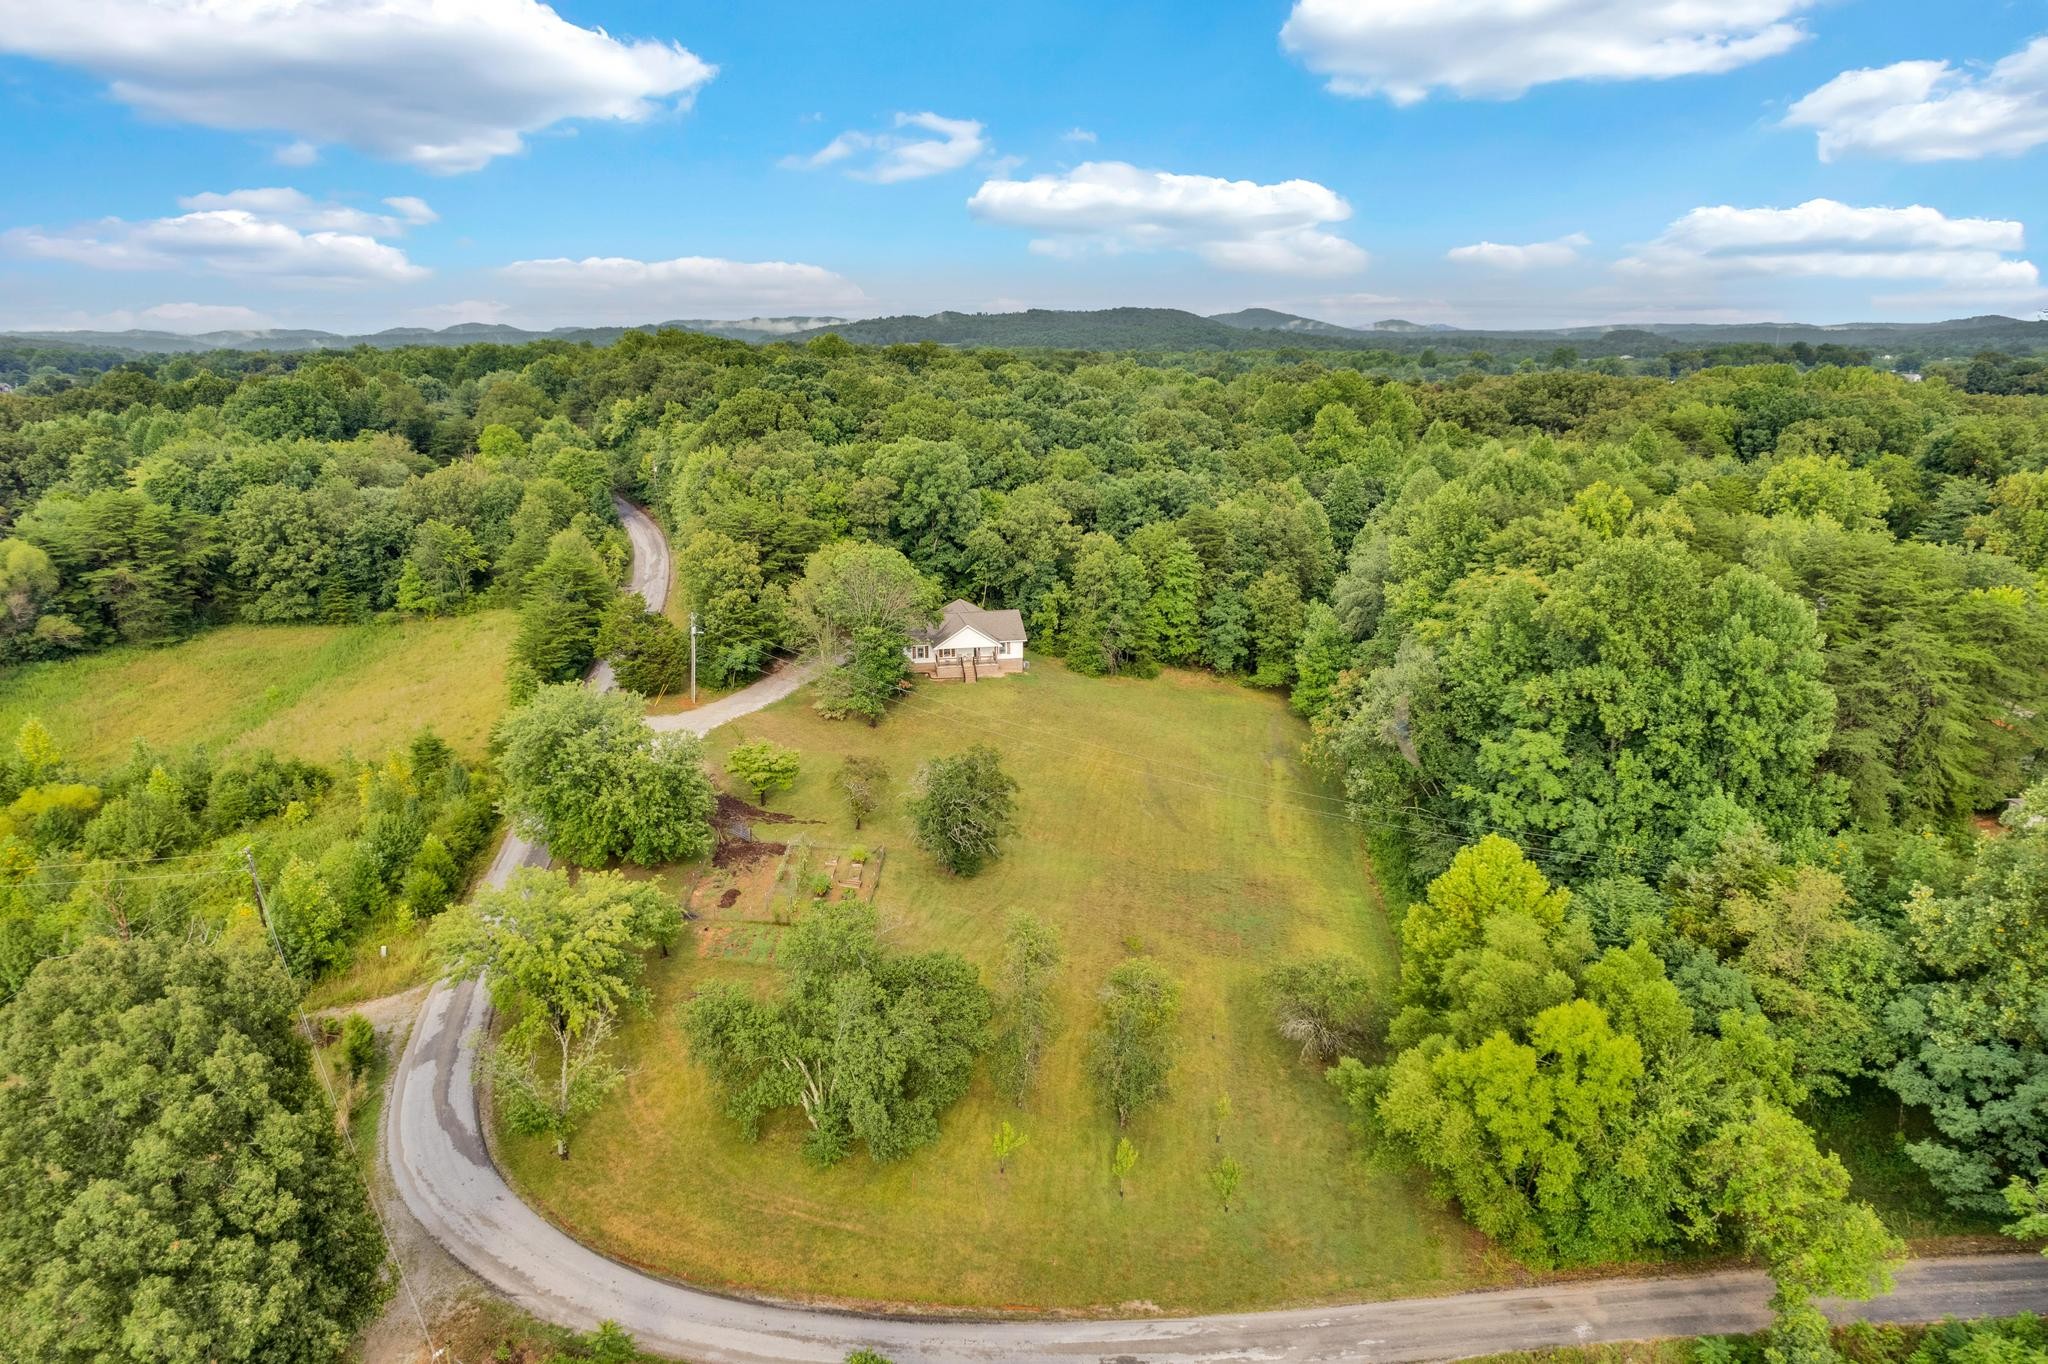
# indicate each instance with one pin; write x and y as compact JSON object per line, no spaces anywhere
{"x":313,"y":691}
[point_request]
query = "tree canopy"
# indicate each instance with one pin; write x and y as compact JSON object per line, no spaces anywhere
{"x":177,"y":1189}
{"x":963,"y":806}
{"x":584,"y":774}
{"x":871,"y":1045}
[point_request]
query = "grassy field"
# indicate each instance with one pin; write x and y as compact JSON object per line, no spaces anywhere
{"x":1171,"y":817}
{"x":314,"y":691}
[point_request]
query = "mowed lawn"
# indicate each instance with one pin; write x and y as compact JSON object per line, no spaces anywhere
{"x":1171,"y":816}
{"x":313,"y":691}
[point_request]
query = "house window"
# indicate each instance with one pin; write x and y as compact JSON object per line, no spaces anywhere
{"x":922,"y":651}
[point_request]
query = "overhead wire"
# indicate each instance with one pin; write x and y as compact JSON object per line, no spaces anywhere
{"x":1430,"y":825}
{"x":341,"y":1124}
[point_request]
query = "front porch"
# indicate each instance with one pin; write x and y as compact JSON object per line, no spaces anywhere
{"x":966,"y":665}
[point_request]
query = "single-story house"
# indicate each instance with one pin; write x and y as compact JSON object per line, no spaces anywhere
{"x":968,"y":643}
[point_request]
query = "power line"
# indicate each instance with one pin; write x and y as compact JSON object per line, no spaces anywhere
{"x":162,"y":857}
{"x":334,"y":1102}
{"x":1432,"y":825}
{"x":1449,"y":834}
{"x":83,"y":873}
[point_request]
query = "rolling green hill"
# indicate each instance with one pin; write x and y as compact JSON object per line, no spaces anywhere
{"x":1113,"y":329}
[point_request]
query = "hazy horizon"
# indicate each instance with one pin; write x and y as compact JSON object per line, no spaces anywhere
{"x":190,"y":167}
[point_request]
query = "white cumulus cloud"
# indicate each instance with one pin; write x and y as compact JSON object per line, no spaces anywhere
{"x":1235,"y":224}
{"x":445,"y":85}
{"x":295,"y":208}
{"x":1405,"y":49}
{"x":1533,"y":256}
{"x":276,"y":233}
{"x":936,"y":145}
{"x":412,"y":209}
{"x":1932,"y":111}
{"x":186,"y":318}
{"x":606,"y":282}
{"x":1824,"y":239}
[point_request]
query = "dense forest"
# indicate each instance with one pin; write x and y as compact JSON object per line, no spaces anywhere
{"x":1700,"y":709}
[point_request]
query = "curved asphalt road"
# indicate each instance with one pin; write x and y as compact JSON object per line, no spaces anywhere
{"x":434,"y":1143}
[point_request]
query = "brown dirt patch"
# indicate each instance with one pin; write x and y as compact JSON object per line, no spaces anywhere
{"x":732,"y":810}
{"x":730,"y":898}
{"x":744,"y":852}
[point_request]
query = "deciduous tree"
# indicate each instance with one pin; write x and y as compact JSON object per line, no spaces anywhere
{"x":1108,"y":624}
{"x":1026,"y":1019}
{"x":177,"y":1191}
{"x":739,"y":615}
{"x":1225,"y":1177}
{"x":584,"y":773}
{"x":568,"y":956}
{"x":872,"y":1045}
{"x":1789,"y":1203}
{"x":850,"y":584}
{"x":962,"y":807}
{"x":1006,"y":1143}
{"x":1130,"y":1050}
{"x":763,"y":765}
{"x":861,"y":782}
{"x":1325,"y":1006}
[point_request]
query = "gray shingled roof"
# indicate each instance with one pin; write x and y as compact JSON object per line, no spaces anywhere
{"x":960,"y":614}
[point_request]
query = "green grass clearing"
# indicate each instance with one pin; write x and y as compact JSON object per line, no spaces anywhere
{"x":389,"y":957}
{"x":1165,"y":815}
{"x":313,"y":691}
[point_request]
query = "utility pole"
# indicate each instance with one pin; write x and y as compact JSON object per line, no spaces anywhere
{"x":693,"y":657}
{"x":263,"y":907}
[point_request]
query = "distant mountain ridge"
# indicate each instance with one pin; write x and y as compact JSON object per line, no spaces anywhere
{"x":1146,"y":329}
{"x":461,"y":334}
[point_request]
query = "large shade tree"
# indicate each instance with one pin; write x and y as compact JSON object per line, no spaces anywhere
{"x":1130,"y":1050}
{"x":584,"y":773}
{"x":871,"y":1045}
{"x":1978,"y":1025}
{"x":963,"y":806}
{"x":851,"y":585}
{"x":176,"y":1191}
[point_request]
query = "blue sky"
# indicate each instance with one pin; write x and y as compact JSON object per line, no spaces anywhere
{"x":356,"y":164}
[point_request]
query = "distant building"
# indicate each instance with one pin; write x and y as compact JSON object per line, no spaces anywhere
{"x":969,"y":643}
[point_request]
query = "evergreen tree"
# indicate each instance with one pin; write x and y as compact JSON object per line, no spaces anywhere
{"x":1323,"y":654}
{"x":739,"y":617}
{"x":1174,"y":610}
{"x":565,"y":598}
{"x":648,"y":652}
{"x":1226,"y":627}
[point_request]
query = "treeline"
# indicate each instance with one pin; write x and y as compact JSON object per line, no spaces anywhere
{"x":1995,"y":372}
{"x":25,"y":362}
{"x":142,"y":526}
{"x":1740,"y":674}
